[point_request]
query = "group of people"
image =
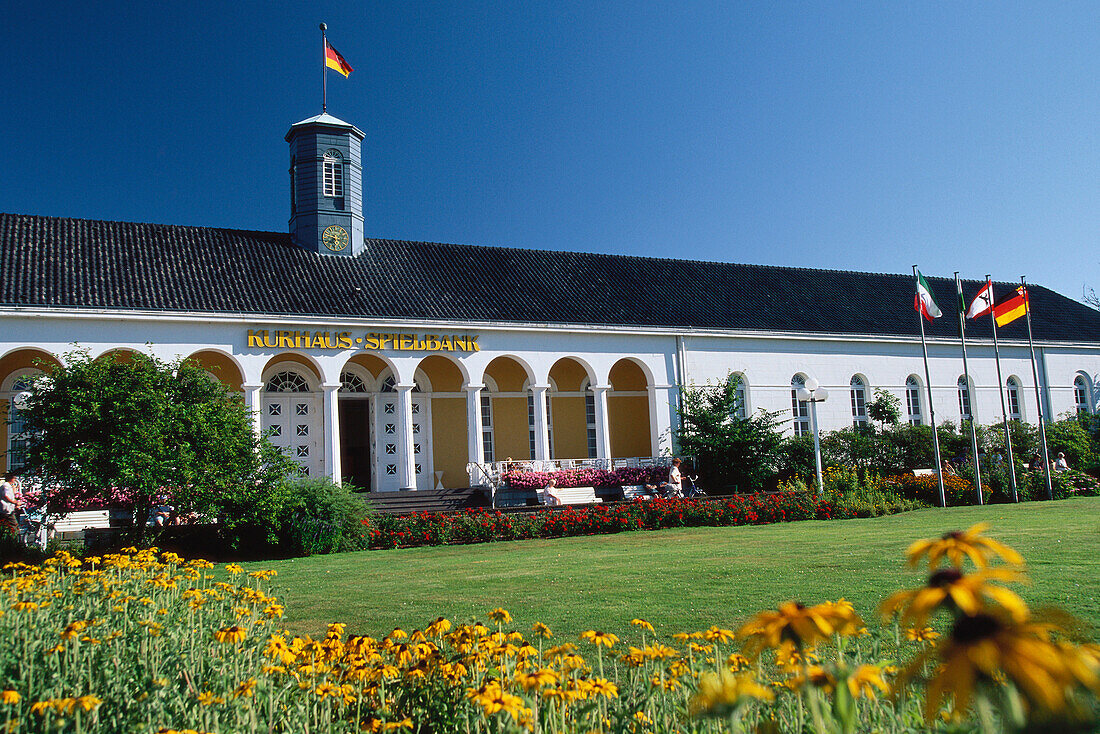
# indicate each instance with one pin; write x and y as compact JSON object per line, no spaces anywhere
{"x":1036,"y":463}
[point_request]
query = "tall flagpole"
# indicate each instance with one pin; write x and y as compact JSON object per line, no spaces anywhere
{"x":1001,"y":391}
{"x":324,"y":76}
{"x":973,"y":397}
{"x":1038,"y":396}
{"x":931,"y":407}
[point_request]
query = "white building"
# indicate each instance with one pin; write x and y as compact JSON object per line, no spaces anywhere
{"x":395,"y":364}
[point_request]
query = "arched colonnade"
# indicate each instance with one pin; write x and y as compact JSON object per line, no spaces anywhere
{"x":393,"y":423}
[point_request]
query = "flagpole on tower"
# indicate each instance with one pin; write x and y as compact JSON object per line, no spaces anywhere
{"x":973,"y":397}
{"x":324,"y":76}
{"x":1001,"y":391}
{"x":1038,"y":396}
{"x":931,"y":407}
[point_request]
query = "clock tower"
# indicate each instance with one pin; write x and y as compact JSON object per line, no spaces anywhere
{"x":326,"y":185}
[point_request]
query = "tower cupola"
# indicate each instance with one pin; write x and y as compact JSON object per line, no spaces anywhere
{"x":326,"y":185}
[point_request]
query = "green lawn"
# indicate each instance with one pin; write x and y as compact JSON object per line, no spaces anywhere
{"x":683,"y":579}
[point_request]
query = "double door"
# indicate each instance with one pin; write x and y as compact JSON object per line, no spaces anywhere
{"x":388,"y":450}
{"x":292,"y":423}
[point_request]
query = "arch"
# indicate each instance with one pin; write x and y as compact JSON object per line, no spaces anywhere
{"x":387,"y":382}
{"x":857,"y":389}
{"x":570,"y":410}
{"x":511,"y":434}
{"x":121,"y":354}
{"x":567,"y":374}
{"x":356,"y":380}
{"x":26,"y":358}
{"x":913,"y":406}
{"x":302,"y":361}
{"x":800,"y":409}
{"x":966,"y":395}
{"x":647,"y":373}
{"x":372,"y":364}
{"x":1083,"y":395}
{"x":628,"y":421}
{"x":510,"y":373}
{"x":1014,"y":398}
{"x":15,"y":364}
{"x":444,"y":373}
{"x":221,"y":365}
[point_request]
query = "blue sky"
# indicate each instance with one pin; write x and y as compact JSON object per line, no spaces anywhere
{"x":869,"y":136}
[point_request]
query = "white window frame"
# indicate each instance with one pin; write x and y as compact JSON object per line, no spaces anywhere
{"x":800,"y":409}
{"x":592,"y":439}
{"x":1014,"y":403}
{"x":333,"y":174}
{"x":857,"y":388}
{"x":488,"y":438}
{"x":1082,"y":394}
{"x":16,"y":443}
{"x":912,"y":400}
{"x":966,"y":404}
{"x":742,"y":411}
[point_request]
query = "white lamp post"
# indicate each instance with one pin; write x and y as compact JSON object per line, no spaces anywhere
{"x":813,"y":393}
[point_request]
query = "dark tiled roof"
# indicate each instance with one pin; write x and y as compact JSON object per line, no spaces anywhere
{"x":54,"y":262}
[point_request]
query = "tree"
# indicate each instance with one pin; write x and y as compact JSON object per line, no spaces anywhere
{"x":145,"y":432}
{"x":885,"y":409}
{"x":732,"y":451}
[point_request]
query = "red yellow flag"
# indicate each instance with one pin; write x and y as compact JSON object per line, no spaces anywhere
{"x":1011,"y":308}
{"x":334,"y":60}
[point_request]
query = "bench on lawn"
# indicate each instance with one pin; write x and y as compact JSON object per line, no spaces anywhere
{"x":73,"y":524}
{"x":636,"y":492}
{"x":923,"y":472}
{"x":572,"y":495}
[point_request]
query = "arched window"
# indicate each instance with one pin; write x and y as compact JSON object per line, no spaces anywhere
{"x":1014,"y":412}
{"x":1082,"y":395}
{"x":912,"y":400}
{"x":742,"y":411}
{"x":389,"y":382}
{"x":17,"y":439}
{"x":487,"y":444}
{"x":287,"y":381}
{"x":352,"y":382}
{"x":334,"y":173}
{"x":800,"y":409}
{"x":964,"y":398}
{"x":859,"y":401}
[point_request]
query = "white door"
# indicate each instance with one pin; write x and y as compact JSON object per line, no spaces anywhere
{"x":388,"y":447}
{"x":295,"y":428}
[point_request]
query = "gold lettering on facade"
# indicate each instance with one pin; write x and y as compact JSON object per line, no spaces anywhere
{"x":373,"y":341}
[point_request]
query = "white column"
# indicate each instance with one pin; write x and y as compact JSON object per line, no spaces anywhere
{"x":253,"y":401}
{"x":660,"y":424}
{"x":406,"y":460}
{"x":331,"y":410}
{"x":475,"y":447}
{"x":603,"y":432}
{"x":542,"y":428}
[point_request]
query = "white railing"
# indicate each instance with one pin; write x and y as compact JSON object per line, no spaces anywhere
{"x":491,"y":474}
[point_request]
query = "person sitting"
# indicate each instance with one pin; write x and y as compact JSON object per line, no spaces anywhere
{"x":947,"y":469}
{"x":550,"y":496}
{"x":1060,"y":464}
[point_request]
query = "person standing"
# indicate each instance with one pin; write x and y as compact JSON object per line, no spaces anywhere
{"x":675,"y":480}
{"x":9,"y":503}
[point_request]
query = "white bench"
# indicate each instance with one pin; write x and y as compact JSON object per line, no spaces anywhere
{"x":572,"y":495}
{"x":73,"y":524}
{"x":636,"y":492}
{"x":923,"y":472}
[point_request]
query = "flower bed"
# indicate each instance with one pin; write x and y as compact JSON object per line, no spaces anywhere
{"x":482,"y":526}
{"x":602,"y":478}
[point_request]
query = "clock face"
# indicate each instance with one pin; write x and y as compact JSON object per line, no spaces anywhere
{"x":335,"y":238}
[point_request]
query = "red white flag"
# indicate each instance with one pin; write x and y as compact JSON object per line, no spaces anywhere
{"x":982,"y":303}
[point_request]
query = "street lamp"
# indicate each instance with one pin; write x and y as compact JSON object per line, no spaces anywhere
{"x":813,"y":393}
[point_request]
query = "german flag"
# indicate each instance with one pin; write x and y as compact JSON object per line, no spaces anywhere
{"x":334,"y":60}
{"x":1011,"y":308}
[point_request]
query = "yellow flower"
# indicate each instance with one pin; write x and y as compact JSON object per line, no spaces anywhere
{"x":540,"y":678}
{"x":233,"y":569}
{"x":950,"y":587}
{"x":10,"y":697}
{"x":804,"y":626}
{"x":991,"y":644}
{"x":865,"y":679}
{"x":606,"y":639}
{"x":720,"y":695}
{"x":957,"y":545}
{"x":440,"y":626}
{"x":244,"y":689}
{"x":542,"y":630}
{"x":500,"y":615}
{"x":717,"y":634}
{"x":925,"y":634}
{"x":232,"y":634}
{"x":88,"y":702}
{"x":74,"y":629}
{"x":603,"y":687}
{"x":643,"y":624}
{"x":737,"y":662}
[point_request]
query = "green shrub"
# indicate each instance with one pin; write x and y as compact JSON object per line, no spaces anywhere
{"x":322,"y":517}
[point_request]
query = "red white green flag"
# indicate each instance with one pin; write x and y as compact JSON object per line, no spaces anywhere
{"x":924,"y":302}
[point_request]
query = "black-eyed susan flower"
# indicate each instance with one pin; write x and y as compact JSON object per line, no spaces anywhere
{"x":801,"y":625}
{"x":925,"y":635}
{"x":642,"y":624}
{"x":541,"y":630}
{"x":721,"y":695}
{"x":500,"y":616}
{"x":960,"y":544}
{"x":597,"y":638}
{"x":244,"y":688}
{"x":231,"y":635}
{"x":865,"y":679}
{"x":950,"y":587}
{"x":10,"y":697}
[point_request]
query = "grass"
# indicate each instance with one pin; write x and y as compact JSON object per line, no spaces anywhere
{"x":682,"y":579}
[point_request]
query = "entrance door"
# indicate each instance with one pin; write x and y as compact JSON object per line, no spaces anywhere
{"x":356,"y":441}
{"x":388,"y":449}
{"x":293,"y":422}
